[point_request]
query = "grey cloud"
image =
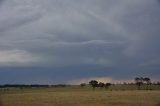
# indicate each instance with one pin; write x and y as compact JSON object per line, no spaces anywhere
{"x":17,"y":15}
{"x":1,"y":1}
{"x":120,"y":35}
{"x":13,"y":23}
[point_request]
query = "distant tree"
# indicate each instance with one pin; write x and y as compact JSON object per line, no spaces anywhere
{"x":101,"y":85}
{"x":158,"y":83}
{"x":139,"y":81}
{"x":124,"y":83}
{"x":93,"y":83}
{"x":147,"y":81}
{"x":107,"y":85}
{"x":83,"y":84}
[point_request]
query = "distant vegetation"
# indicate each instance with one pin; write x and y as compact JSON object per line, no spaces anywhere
{"x":95,"y":83}
{"x":141,"y":83}
{"x":93,"y":93}
{"x":31,"y":86}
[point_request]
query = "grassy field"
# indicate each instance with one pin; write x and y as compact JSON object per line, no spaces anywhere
{"x":77,"y":96}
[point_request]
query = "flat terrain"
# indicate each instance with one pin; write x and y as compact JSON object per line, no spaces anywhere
{"x":79,"y":97}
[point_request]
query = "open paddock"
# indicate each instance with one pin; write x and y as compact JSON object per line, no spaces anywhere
{"x":77,"y":96}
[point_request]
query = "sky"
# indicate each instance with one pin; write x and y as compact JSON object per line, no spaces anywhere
{"x":74,"y":41}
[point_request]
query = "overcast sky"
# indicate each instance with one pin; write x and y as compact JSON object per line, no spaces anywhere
{"x":72,"y":41}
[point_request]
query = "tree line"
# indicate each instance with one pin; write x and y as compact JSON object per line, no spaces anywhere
{"x":95,"y":83}
{"x":31,"y":86}
{"x":139,"y":81}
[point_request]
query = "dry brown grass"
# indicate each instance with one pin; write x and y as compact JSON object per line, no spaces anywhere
{"x":0,"y":101}
{"x":158,"y":104}
{"x":80,"y":97}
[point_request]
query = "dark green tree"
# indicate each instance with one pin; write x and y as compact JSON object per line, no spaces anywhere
{"x":101,"y":85}
{"x":139,"y":82}
{"x":107,"y":85}
{"x":83,"y":84}
{"x":147,"y":81}
{"x":93,"y":83}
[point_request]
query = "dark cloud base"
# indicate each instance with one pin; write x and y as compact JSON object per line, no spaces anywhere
{"x":60,"y":75}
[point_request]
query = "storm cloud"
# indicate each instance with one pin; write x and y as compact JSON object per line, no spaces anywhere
{"x":60,"y":41}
